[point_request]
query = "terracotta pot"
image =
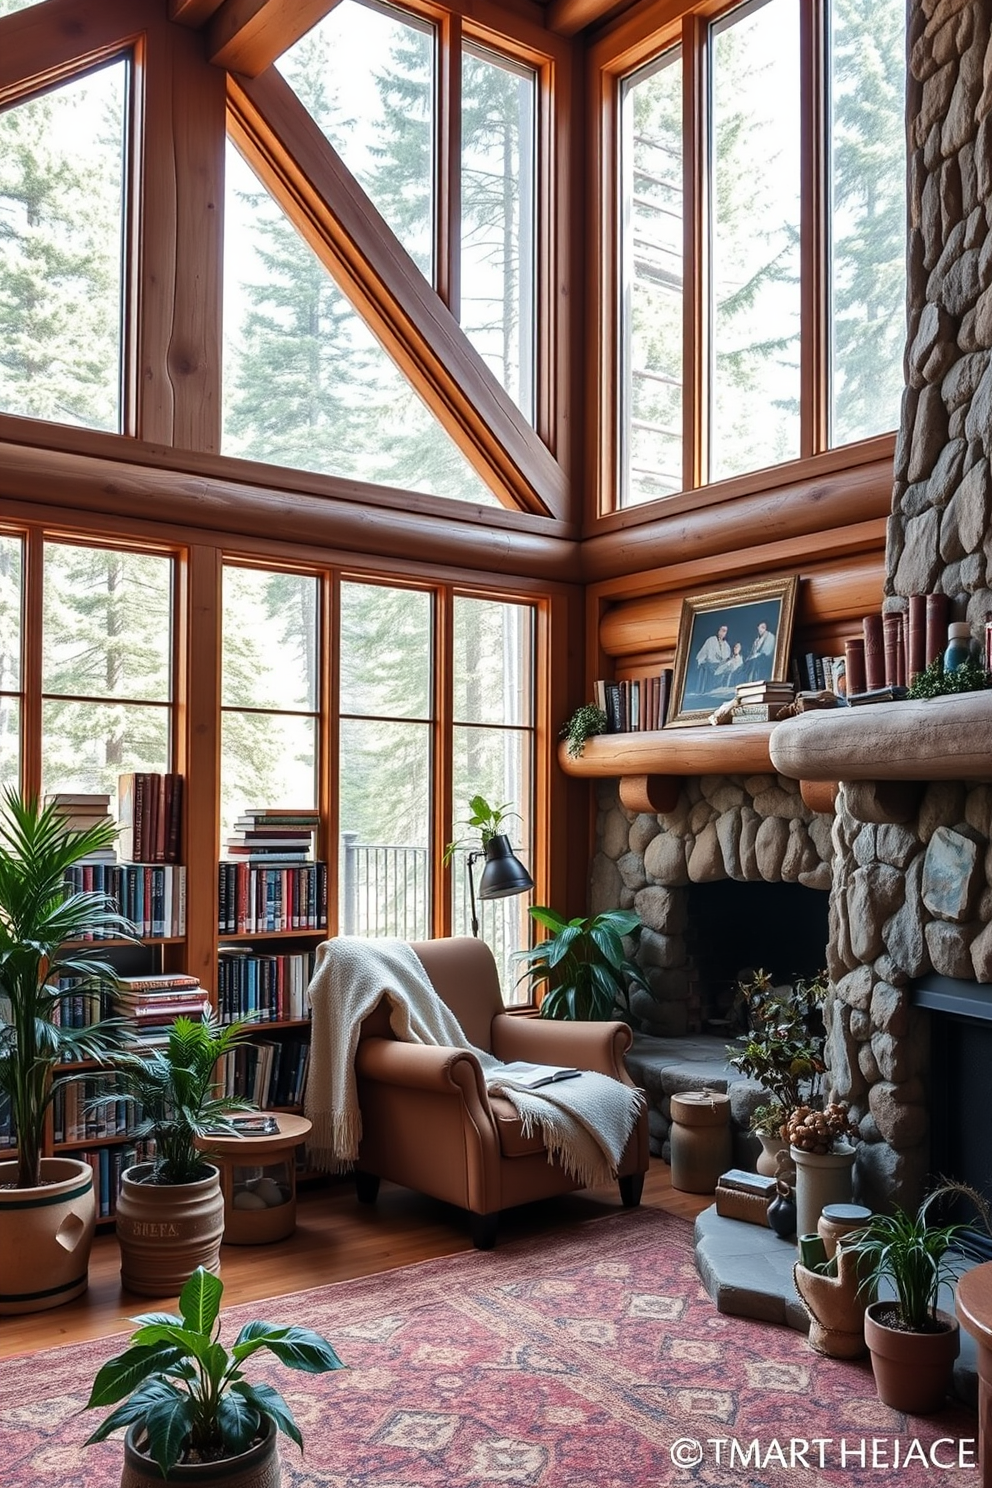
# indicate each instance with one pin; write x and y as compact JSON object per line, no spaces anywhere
{"x":166,"y":1230}
{"x":912,"y":1370}
{"x":45,"y":1235}
{"x":256,"y":1468}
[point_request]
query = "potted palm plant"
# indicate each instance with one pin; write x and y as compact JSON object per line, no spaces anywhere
{"x":583,"y":965}
{"x":47,"y":1212}
{"x":191,"y":1415}
{"x":170,"y":1213}
{"x":913,"y":1343}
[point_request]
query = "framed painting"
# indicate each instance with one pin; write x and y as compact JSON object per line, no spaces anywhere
{"x":732,"y":635}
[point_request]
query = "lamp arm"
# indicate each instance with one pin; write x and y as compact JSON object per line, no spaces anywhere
{"x":470,"y":860}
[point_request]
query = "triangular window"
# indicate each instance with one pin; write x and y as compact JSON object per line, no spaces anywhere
{"x":367,"y":78}
{"x":306,"y":383}
{"x":62,"y":186}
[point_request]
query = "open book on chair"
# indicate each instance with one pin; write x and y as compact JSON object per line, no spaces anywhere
{"x":520,"y":1072}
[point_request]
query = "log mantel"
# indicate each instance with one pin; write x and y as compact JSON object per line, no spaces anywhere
{"x":944,"y":738}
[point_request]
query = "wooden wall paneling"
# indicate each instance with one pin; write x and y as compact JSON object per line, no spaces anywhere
{"x":345,"y":230}
{"x":448,"y":147}
{"x":194,"y":13}
{"x":836,"y":590}
{"x":248,"y":35}
{"x":202,"y":756}
{"x":182,"y":186}
{"x":356,"y":521}
{"x":47,"y":43}
{"x":567,"y":817}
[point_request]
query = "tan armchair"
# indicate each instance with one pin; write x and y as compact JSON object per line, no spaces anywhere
{"x":428,"y":1121}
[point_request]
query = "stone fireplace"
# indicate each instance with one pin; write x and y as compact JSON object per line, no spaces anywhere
{"x":910,"y":884}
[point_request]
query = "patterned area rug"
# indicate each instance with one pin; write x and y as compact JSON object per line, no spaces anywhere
{"x":590,"y":1359}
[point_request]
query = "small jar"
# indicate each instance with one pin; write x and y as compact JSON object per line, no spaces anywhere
{"x":837,"y":1220}
{"x":958,"y":645}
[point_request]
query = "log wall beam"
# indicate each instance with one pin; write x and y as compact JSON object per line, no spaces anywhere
{"x":247,"y":36}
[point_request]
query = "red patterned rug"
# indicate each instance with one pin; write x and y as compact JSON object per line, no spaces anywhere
{"x":589,"y":1359}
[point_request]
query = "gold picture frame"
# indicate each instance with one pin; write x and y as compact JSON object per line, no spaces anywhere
{"x":738,"y":634}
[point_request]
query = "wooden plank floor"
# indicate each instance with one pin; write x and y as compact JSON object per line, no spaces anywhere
{"x":336,"y":1238}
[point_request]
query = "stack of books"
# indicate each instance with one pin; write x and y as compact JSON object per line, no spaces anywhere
{"x":267,"y":836}
{"x":761,"y":702}
{"x":744,"y":1195}
{"x":149,"y":813}
{"x":634,"y":705}
{"x":151,"y":1004}
{"x":80,"y":812}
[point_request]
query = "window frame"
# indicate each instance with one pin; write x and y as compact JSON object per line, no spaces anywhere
{"x":629,"y":45}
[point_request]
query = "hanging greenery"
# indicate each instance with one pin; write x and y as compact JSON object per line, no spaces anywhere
{"x":584,"y":723}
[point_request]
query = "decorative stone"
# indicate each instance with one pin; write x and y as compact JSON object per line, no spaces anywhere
{"x":655,"y":906}
{"x":728,"y":832}
{"x":855,"y":988}
{"x":947,"y":471}
{"x":841,"y":1051}
{"x":893,"y":1057}
{"x":705,"y":863}
{"x":896,"y":845}
{"x":950,"y":949}
{"x":642,"y":829}
{"x":942,"y":806}
{"x":769,"y":847}
{"x":775,"y":801}
{"x":917,"y":569}
{"x":903,"y":932}
{"x":664,"y":860}
{"x":864,"y":926}
{"x":981,"y":955}
{"x":796,"y":851}
{"x":889,"y":1010}
{"x":883,"y":1176}
{"x":605,"y":884}
{"x":750,"y":822}
{"x":665,"y":951}
{"x":983,"y":317}
{"x":950,"y":874}
{"x":819,"y":877}
{"x":902,"y":1123}
{"x":929,"y":432}
{"x":976,"y":425}
{"x":616,"y":834}
{"x":631,"y":869}
{"x":886,"y":970}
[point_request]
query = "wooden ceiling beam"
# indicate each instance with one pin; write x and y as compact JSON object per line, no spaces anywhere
{"x":247,"y":36}
{"x":193,"y":13}
{"x":569,"y":17}
{"x":337,"y":219}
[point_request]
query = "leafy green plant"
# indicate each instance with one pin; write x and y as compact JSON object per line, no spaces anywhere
{"x":783,"y":1050}
{"x":40,"y":920}
{"x":188,"y":1393}
{"x":174,"y":1090}
{"x":583,"y":965}
{"x":584,"y":724}
{"x":933,"y":681}
{"x":487,"y":820}
{"x":913,"y":1256}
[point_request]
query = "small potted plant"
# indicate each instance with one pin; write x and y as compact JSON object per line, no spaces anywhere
{"x":47,"y":1211}
{"x":488,"y":821}
{"x":583,"y":965}
{"x":170,"y":1214}
{"x":191,"y":1415}
{"x":585,"y":723}
{"x":913,"y":1343}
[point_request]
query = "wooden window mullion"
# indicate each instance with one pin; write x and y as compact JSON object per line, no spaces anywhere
{"x":814,"y":231}
{"x":449,"y":166}
{"x":696,"y":288}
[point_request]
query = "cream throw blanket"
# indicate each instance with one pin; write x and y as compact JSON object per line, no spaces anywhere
{"x":584,"y":1121}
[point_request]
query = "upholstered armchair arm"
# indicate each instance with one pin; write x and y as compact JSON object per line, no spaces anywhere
{"x":592,"y":1046}
{"x":420,"y":1066}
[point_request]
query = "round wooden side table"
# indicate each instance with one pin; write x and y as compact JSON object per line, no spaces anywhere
{"x":258,"y":1180}
{"x":973,"y":1305}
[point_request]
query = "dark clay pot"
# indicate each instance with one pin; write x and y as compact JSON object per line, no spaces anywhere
{"x":256,"y":1468}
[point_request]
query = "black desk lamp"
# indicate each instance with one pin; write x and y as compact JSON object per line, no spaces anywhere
{"x":503,"y":875}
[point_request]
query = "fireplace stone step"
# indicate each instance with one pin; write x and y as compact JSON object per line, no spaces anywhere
{"x":664,"y":1067}
{"x":747,"y":1272}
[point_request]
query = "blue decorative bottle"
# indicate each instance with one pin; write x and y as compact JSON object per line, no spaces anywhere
{"x":958,"y":645}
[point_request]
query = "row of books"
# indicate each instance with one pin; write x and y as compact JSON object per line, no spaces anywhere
{"x":634,"y":705}
{"x":274,"y":834}
{"x":151,"y":1004}
{"x":894,"y":648}
{"x":149,"y":815}
{"x":108,"y":1163}
{"x":817,"y":673}
{"x":255,"y":899}
{"x":153,"y":899}
{"x":272,"y":1073}
{"x":83,"y":1110}
{"x":261,"y":987}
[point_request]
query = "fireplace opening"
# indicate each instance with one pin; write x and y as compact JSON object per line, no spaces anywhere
{"x":733,"y":928}
{"x":960,"y":1114}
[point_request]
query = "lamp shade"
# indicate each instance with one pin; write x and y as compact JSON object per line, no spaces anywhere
{"x":504,"y":874}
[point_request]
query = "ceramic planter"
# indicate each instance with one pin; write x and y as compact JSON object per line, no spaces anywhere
{"x":166,"y":1230}
{"x":45,"y":1235}
{"x":912,"y":1370}
{"x":821,"y":1178}
{"x":256,"y":1468}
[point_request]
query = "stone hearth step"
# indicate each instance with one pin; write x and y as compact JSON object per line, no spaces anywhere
{"x":664,"y":1067}
{"x":747,"y":1272}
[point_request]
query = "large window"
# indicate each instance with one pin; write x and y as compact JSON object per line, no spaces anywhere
{"x":766,"y":322}
{"x":62,"y":218}
{"x":107,"y":644}
{"x":424,"y":117}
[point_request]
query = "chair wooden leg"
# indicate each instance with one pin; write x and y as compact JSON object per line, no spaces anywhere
{"x":366,"y":1187}
{"x":631,"y":1188}
{"x":484,"y":1230}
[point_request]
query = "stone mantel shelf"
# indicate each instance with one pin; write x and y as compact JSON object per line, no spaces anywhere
{"x":946,"y":738}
